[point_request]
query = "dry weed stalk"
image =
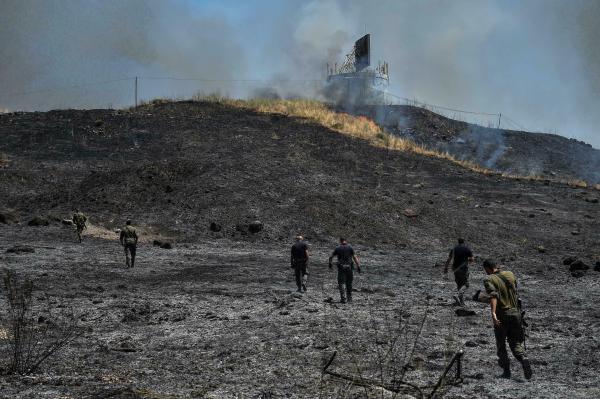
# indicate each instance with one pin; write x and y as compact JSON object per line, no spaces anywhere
{"x":30,"y":337}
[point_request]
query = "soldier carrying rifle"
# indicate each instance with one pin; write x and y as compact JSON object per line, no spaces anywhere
{"x":507,"y":316}
{"x":79,"y":220}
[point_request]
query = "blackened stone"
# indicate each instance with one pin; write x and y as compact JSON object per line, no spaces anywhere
{"x":255,"y":226}
{"x":166,"y":245}
{"x":462,"y":312}
{"x":20,"y":249}
{"x":578,"y":273}
{"x":568,"y":260}
{"x":38,"y":221}
{"x":157,"y":243}
{"x":578,"y":265}
{"x":216,"y":227}
{"x":8,"y":218}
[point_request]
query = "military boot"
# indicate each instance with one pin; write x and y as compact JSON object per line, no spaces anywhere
{"x":461,"y":299}
{"x":342,"y":288}
{"x":505,"y":373}
{"x":527,"y":369}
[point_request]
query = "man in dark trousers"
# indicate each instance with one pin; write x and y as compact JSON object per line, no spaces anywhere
{"x":346,"y":259}
{"x":299,"y":262}
{"x":129,"y":239}
{"x":460,"y":256}
{"x":501,"y":289}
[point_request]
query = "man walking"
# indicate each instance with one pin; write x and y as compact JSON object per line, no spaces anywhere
{"x":501,"y":287}
{"x":299,"y":262}
{"x":129,"y":239}
{"x":79,"y":220}
{"x":346,"y":259}
{"x":460,"y":256}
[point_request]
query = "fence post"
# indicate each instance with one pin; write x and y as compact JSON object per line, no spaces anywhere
{"x":136,"y":91}
{"x":499,"y":119}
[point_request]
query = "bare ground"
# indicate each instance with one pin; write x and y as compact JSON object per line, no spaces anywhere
{"x":217,"y":316}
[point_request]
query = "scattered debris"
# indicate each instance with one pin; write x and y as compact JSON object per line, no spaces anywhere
{"x":578,"y":265}
{"x":38,"y":221}
{"x":462,"y":312}
{"x":541,"y":249}
{"x":20,"y":249}
{"x":568,"y":260}
{"x":255,"y":226}
{"x":578,"y":273}
{"x":124,"y":345}
{"x":162,"y":244}
{"x":410,"y":213}
{"x":8,"y":217}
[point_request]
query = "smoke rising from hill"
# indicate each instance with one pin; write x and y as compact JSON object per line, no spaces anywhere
{"x":536,"y":61}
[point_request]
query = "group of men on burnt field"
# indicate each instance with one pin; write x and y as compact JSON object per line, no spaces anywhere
{"x":128,"y":236}
{"x":500,"y":286}
{"x":500,"y":292}
{"x":346,"y":261}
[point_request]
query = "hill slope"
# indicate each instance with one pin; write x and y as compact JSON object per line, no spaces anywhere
{"x":218,"y":316}
{"x":181,"y":166}
{"x":508,"y":151}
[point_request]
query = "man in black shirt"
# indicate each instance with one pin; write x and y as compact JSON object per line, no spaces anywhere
{"x":460,"y":256}
{"x":299,"y":262}
{"x":346,"y":261}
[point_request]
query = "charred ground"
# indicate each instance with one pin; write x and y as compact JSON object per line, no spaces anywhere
{"x":509,"y":151}
{"x":216,"y":316}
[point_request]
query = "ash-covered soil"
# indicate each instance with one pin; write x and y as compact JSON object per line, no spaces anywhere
{"x":509,"y":151}
{"x":217,"y":315}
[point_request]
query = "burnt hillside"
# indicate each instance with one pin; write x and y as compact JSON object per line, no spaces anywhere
{"x":509,"y":151}
{"x":180,"y":166}
{"x":217,"y":315}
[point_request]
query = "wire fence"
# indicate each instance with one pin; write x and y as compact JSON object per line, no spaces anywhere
{"x":131,"y":91}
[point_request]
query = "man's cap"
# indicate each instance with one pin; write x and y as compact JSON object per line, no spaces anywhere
{"x":489,"y":263}
{"x":128,"y":221}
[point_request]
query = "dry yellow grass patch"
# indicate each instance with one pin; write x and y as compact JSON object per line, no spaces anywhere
{"x":366,"y":129}
{"x":355,"y":126}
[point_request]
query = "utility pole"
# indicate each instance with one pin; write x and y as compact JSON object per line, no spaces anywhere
{"x":136,"y":79}
{"x":499,"y":119}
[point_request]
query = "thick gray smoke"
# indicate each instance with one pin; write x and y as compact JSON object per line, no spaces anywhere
{"x":536,"y":61}
{"x":58,"y":43}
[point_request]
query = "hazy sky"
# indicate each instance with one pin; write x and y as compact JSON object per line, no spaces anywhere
{"x":537,"y":61}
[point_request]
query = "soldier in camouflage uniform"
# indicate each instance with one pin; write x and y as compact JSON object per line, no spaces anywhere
{"x":129,"y":239}
{"x":501,"y":287}
{"x":79,"y":220}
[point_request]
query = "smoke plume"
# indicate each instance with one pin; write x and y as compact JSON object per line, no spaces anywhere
{"x":536,"y":62}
